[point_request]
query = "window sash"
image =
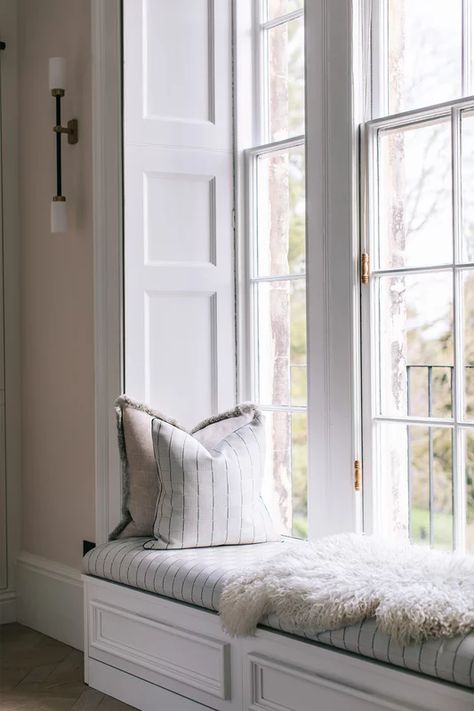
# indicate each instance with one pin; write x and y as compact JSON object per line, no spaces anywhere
{"x":379,"y":67}
{"x":253,"y":279}
{"x":370,"y":317}
{"x":332,"y":246}
{"x":262,"y":27}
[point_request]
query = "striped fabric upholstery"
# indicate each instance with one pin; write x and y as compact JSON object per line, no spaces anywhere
{"x":209,"y":497}
{"x":197,"y":577}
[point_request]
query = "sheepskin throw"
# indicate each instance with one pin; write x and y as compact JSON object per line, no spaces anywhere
{"x":414,"y":593}
{"x":210,"y":483}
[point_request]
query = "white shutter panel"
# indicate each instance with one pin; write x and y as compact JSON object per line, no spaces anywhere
{"x":178,"y":168}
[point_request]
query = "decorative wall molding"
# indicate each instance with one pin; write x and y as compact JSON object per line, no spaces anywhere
{"x":50,"y":598}
{"x":107,"y":220}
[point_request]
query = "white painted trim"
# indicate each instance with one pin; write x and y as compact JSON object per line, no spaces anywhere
{"x":50,"y":598}
{"x":7,"y":607}
{"x":44,"y":566}
{"x":107,"y":220}
{"x":332,"y":335}
{"x":142,"y":694}
{"x":247,"y":132}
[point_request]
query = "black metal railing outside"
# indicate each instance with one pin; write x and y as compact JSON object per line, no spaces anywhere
{"x":430,"y":406}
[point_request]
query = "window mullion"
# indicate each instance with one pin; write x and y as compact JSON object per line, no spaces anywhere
{"x":378,"y":12}
{"x":283,"y":408}
{"x":459,"y":502}
{"x":296,"y":276}
{"x":261,"y":39}
{"x":467,"y":49}
{"x":276,"y":146}
{"x":282,"y":19}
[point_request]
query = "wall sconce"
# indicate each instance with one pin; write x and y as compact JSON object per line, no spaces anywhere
{"x":57,"y":85}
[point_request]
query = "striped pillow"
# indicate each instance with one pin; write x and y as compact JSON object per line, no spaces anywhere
{"x":209,"y":485}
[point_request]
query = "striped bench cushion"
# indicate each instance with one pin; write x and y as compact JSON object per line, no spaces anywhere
{"x":196,"y":576}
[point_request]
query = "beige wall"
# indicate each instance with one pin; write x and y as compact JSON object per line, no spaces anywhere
{"x":56,"y":273}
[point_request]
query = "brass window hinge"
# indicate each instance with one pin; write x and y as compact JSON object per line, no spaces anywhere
{"x":357,"y":475}
{"x":364,"y":268}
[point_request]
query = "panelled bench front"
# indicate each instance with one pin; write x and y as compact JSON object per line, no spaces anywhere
{"x":153,"y":639}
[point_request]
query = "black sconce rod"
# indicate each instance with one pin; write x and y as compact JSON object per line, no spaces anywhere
{"x":58,"y":147}
{"x":72,"y":137}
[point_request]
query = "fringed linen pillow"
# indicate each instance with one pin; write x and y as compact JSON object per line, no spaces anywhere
{"x":139,"y":481}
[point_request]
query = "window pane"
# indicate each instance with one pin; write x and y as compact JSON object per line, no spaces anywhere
{"x":281,"y":212}
{"x":281,"y":341}
{"x":415,"y":329}
{"x":285,"y":479}
{"x":469,"y":458}
{"x":285,"y":79}
{"x":425,"y":52}
{"x":467,"y":309}
{"x":467,"y":162}
{"x":415,"y":465}
{"x":415,"y":196}
{"x":277,"y":8}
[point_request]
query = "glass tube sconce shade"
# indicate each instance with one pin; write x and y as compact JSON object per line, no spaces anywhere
{"x":57,"y":86}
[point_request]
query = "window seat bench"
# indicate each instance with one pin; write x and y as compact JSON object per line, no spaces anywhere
{"x":195,"y":577}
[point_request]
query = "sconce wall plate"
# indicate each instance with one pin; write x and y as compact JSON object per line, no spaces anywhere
{"x":72,"y":131}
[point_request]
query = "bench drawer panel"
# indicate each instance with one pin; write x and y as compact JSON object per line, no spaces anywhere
{"x":278,"y":687}
{"x":158,"y":651}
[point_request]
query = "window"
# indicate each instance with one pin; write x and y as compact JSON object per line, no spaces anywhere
{"x":419,"y":305}
{"x":277,"y":263}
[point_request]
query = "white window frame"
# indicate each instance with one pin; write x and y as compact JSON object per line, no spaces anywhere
{"x":332,"y":249}
{"x":334,"y":110}
{"x":377,"y":14}
{"x":106,"y":42}
{"x":337,"y":104}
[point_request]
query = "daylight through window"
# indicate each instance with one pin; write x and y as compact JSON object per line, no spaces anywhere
{"x":419,"y":329}
{"x":276,"y":170}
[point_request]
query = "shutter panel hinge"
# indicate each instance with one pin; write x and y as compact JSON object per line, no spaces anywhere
{"x":357,"y":475}
{"x":364,"y":268}
{"x":233,"y":219}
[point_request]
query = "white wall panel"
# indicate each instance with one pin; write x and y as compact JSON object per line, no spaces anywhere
{"x":180,"y":217}
{"x":178,"y":36}
{"x":178,"y":72}
{"x":179,"y":242}
{"x":173,"y":323}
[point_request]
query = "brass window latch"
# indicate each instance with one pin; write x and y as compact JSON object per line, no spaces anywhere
{"x":357,"y":475}
{"x":364,"y":268}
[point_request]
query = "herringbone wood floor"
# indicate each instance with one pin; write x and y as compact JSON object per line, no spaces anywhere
{"x":38,"y":673}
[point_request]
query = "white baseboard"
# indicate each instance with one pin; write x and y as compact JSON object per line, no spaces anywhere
{"x":140,"y":693}
{"x":49,"y":598}
{"x":7,"y":607}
